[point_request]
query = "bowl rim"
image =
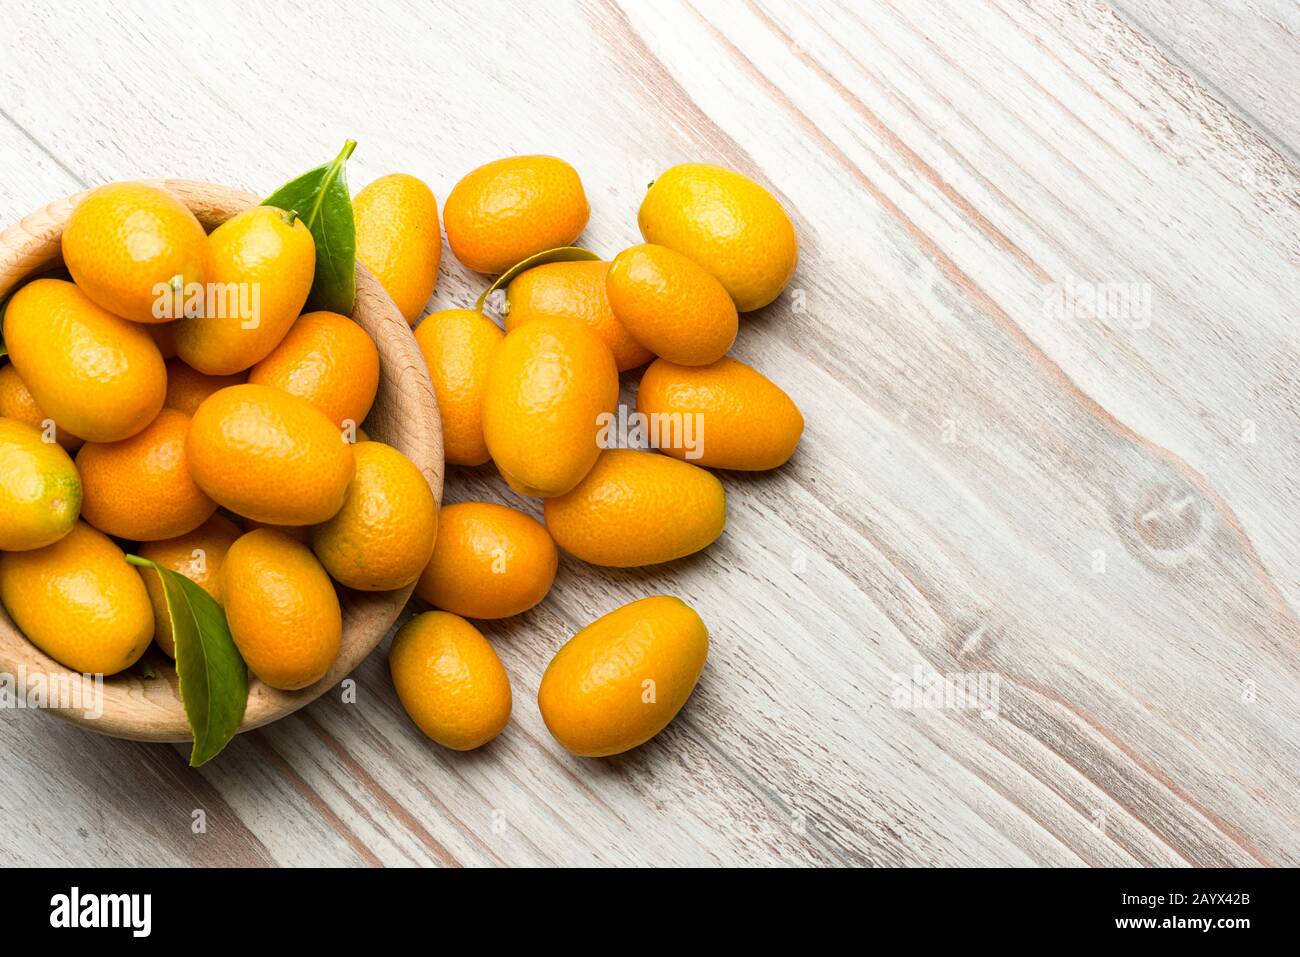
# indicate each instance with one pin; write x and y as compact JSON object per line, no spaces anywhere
{"x":405,"y":415}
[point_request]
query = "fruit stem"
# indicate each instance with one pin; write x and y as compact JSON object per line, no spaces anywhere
{"x":290,"y":217}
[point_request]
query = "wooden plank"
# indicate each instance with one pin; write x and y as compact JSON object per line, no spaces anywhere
{"x":1243,"y":52}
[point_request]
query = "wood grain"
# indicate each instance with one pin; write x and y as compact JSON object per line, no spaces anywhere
{"x":1096,"y":509}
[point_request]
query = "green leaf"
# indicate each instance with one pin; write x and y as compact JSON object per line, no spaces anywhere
{"x":560,"y":254}
{"x":322,"y":202}
{"x":213,"y":677}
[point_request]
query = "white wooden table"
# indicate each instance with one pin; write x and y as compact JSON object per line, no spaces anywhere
{"x":1097,"y":508}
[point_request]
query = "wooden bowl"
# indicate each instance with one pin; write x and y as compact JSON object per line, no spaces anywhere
{"x":405,"y":415}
